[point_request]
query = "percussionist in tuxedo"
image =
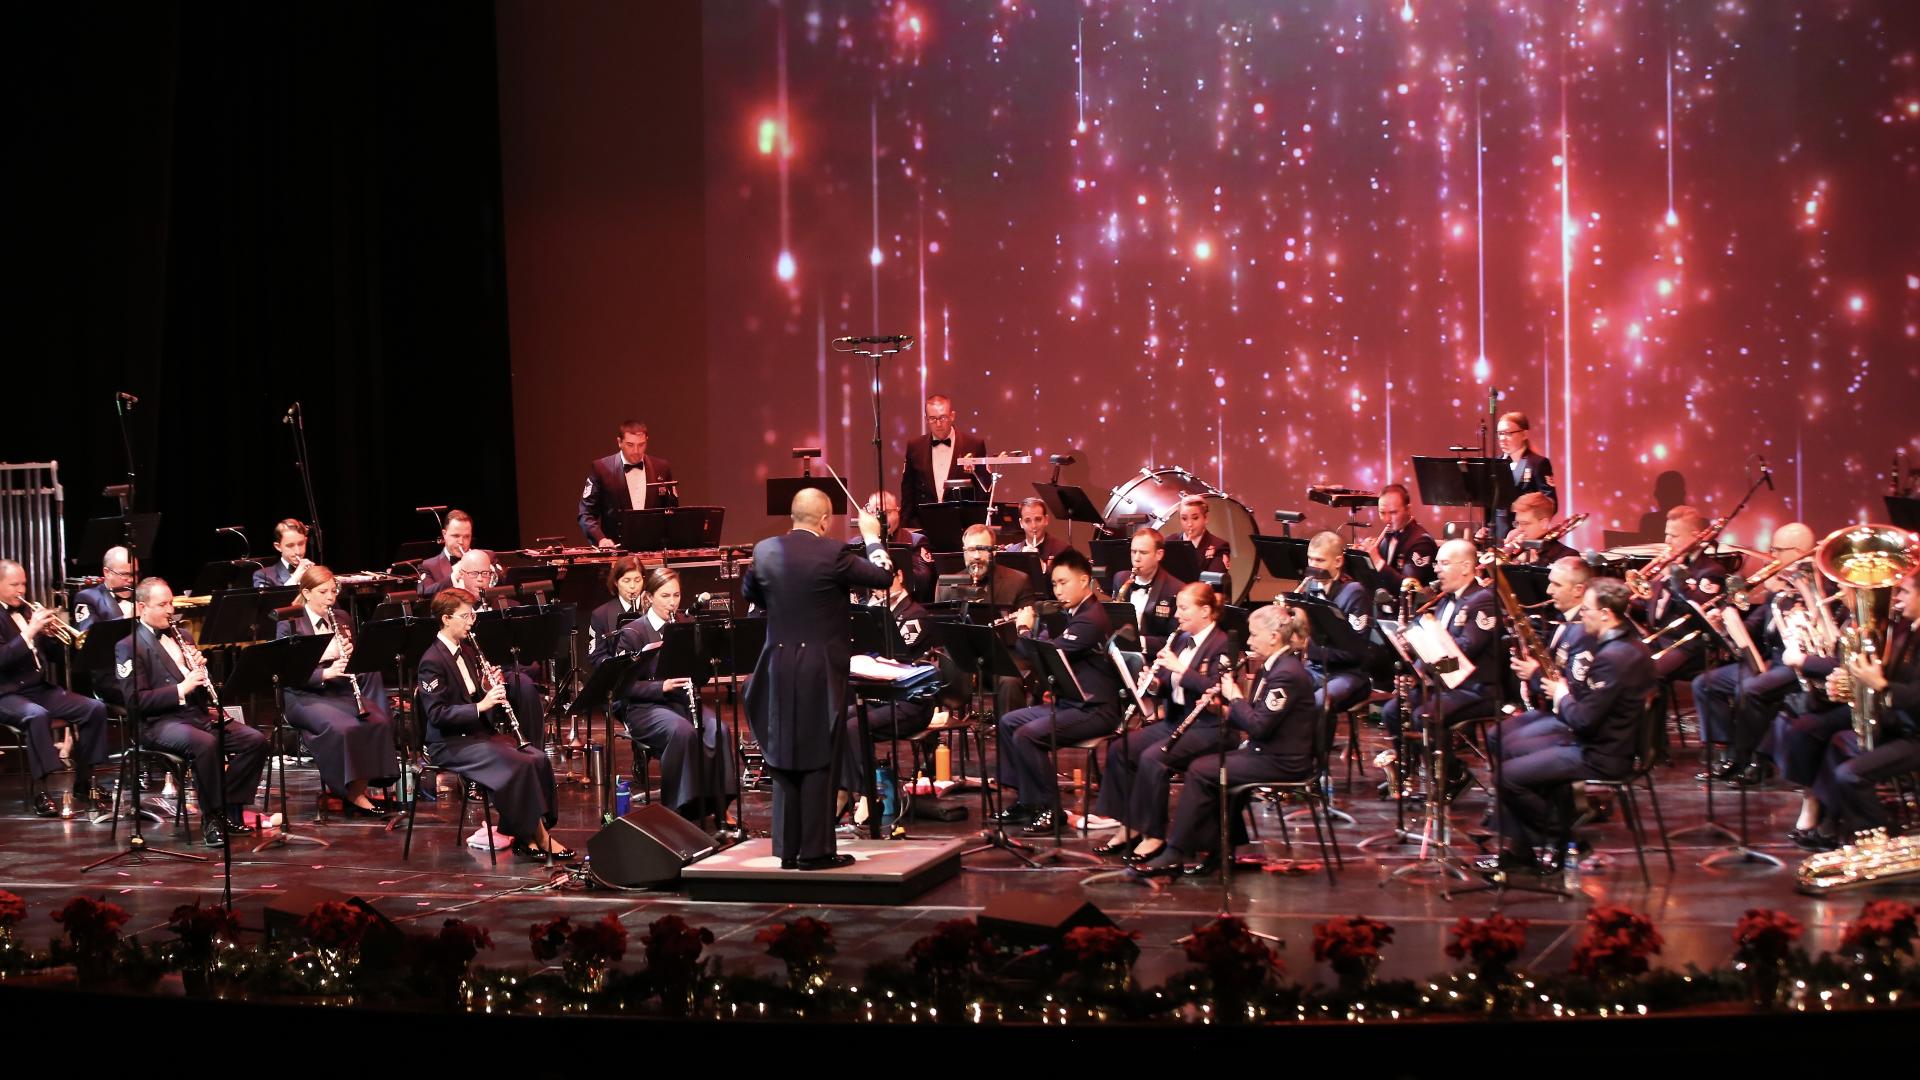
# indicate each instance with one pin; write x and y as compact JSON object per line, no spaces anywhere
{"x":112,"y":598}
{"x":1025,"y":734}
{"x":290,"y":556}
{"x":628,"y":479}
{"x":1277,"y":716}
{"x":342,"y":718}
{"x":1035,"y":522}
{"x":930,"y":461}
{"x":170,"y":695}
{"x":1149,"y":588}
{"x":1469,"y":615}
{"x":1340,"y":674}
{"x":468,"y":730}
{"x":797,"y":701}
{"x":695,"y":752}
{"x":29,"y":698}
{"x":456,"y":539}
{"x":1601,"y":701}
{"x":1404,"y":548}
{"x":1140,"y":766}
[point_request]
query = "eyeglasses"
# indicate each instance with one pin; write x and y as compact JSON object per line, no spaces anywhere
{"x":1505,"y":432}
{"x":976,"y":550}
{"x":464,"y":616}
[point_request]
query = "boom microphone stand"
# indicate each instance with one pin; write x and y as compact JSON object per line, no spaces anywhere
{"x":873,"y":348}
{"x":303,"y":464}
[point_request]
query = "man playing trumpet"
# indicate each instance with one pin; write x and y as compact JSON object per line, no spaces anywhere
{"x":31,"y":703}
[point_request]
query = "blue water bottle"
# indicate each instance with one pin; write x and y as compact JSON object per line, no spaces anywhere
{"x":622,"y":796}
{"x":889,"y":796}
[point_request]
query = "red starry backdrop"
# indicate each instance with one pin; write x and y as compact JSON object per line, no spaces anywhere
{"x":1287,"y":243}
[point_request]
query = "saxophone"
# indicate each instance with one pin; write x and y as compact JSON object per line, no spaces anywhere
{"x":1871,"y":859}
{"x":490,"y":677}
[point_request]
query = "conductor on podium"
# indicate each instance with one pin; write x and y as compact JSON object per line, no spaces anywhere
{"x":798,"y":695}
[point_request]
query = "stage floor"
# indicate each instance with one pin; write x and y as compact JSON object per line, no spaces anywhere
{"x":1694,"y":908}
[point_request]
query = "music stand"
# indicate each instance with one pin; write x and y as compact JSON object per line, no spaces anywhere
{"x":1481,"y":482}
{"x":1028,"y":563}
{"x":510,"y":636}
{"x":221,"y":575}
{"x":400,"y":641}
{"x":1069,"y":504}
{"x":671,"y":528}
{"x":1050,"y":663}
{"x":242,"y":615}
{"x":980,"y":650}
{"x":1110,"y":556}
{"x":599,"y":690}
{"x":109,"y":635}
{"x":266,"y":668}
{"x":1282,"y":557}
{"x":944,"y":523}
{"x":782,"y":489}
{"x":1233,"y":623}
{"x":1327,"y":624}
{"x":135,"y":532}
{"x":1904,"y":511}
{"x":1125,"y":622}
{"x":1528,"y":582}
{"x":1181,"y":559}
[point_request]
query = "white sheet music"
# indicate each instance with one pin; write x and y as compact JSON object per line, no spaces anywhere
{"x":1432,"y":644}
{"x":880,"y":669}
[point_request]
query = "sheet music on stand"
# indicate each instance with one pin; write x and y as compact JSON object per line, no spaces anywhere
{"x":1438,"y":651}
{"x":882,"y":670}
{"x":1128,"y":690}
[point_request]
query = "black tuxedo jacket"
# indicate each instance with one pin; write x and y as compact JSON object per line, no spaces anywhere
{"x":141,"y":661}
{"x":96,"y":604}
{"x":1157,"y":624}
{"x":606,"y":492}
{"x":919,"y":485}
{"x":17,"y":668}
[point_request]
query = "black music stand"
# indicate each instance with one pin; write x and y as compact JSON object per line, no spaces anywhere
{"x":1028,"y":563}
{"x":221,"y":575}
{"x":395,"y":645}
{"x":266,"y":668}
{"x":1069,"y":504}
{"x":730,"y":646}
{"x":1110,"y":556}
{"x":1181,"y":559}
{"x":1904,"y":511}
{"x":944,"y":523}
{"x":135,"y":532}
{"x":979,"y":649}
{"x":782,"y":489}
{"x":1483,"y":482}
{"x":1062,"y":685}
{"x":1327,"y":624}
{"x":1528,"y":582}
{"x":1125,"y":622}
{"x":670,"y":528}
{"x":241,"y":615}
{"x":1282,"y":557}
{"x":598,"y":692}
{"x":1233,"y":623}
{"x":507,"y":636}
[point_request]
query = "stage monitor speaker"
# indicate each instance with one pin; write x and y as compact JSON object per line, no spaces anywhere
{"x":286,"y":907}
{"x":1031,"y":918}
{"x":647,"y":847}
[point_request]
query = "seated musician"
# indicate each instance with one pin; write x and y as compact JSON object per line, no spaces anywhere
{"x":466,"y":715}
{"x":1404,"y":548}
{"x":169,"y":691}
{"x":1533,"y":519}
{"x":1802,"y":734}
{"x":1140,"y":766}
{"x":1848,"y":785}
{"x":628,"y":479}
{"x":1035,"y":522}
{"x":476,"y":573}
{"x":1757,"y":695}
{"x":290,"y":551}
{"x":999,"y":587}
{"x":1563,"y":635}
{"x":1602,"y":701}
{"x":627,"y":579}
{"x":1700,"y":581}
{"x":456,"y":539}
{"x":349,"y":729}
{"x":695,"y":752}
{"x":890,"y":720}
{"x":1025,"y":734}
{"x":30,"y":699}
{"x":1277,"y":718}
{"x":920,"y":575}
{"x":1470,"y":615}
{"x":1149,"y":588}
{"x":112,"y":598}
{"x":1215,"y":556}
{"x":1341,"y":675}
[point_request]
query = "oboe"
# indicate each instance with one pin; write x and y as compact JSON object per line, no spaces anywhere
{"x":490,"y":677}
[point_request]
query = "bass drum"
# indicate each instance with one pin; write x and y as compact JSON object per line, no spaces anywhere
{"x":1153,"y":498}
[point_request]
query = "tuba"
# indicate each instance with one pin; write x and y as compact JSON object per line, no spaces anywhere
{"x":1869,"y":560}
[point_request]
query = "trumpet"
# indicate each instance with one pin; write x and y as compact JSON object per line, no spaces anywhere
{"x":60,"y":628}
{"x":1641,"y":581}
{"x":490,"y":677}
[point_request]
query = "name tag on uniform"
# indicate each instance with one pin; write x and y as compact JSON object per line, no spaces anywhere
{"x":1163,"y":609}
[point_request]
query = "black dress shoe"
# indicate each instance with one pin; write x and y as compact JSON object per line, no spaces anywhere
{"x":1504,"y":863}
{"x":1750,"y":776}
{"x":1017,"y":814}
{"x":44,"y":806}
{"x":375,"y":811}
{"x":236,"y":824}
{"x":1206,"y":867}
{"x":1042,"y":824}
{"x":1812,"y":840}
{"x":789,"y":864}
{"x":1458,"y":783}
{"x":1165,"y":863}
{"x":1134,"y":858}
{"x":823,"y":862}
{"x":214,"y":833}
{"x":1119,"y":847}
{"x":527,"y":849}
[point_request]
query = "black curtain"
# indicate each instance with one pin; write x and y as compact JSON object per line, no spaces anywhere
{"x":224,"y":209}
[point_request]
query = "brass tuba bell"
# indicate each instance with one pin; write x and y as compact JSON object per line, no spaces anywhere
{"x":1869,"y":560}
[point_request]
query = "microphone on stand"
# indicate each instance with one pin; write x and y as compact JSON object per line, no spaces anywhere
{"x":293,"y":414}
{"x":126,"y":399}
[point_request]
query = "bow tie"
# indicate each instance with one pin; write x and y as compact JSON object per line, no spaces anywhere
{"x":19,"y":609}
{"x":627,"y":467}
{"x":943,"y":442}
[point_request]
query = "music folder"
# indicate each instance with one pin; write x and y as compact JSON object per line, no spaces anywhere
{"x":1438,"y":651}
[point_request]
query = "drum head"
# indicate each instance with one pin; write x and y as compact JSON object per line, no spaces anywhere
{"x":1154,"y":497}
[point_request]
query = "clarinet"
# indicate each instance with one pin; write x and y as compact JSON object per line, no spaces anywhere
{"x":346,"y":650}
{"x":193,"y":658}
{"x":490,"y":677}
{"x":1207,"y":697}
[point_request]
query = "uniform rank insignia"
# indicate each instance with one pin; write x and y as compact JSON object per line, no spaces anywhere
{"x":430,"y":685}
{"x":1421,"y":560}
{"x":1486,"y":620}
{"x":910,"y":631}
{"x":1580,"y":664}
{"x":79,"y":613}
{"x":124,"y":669}
{"x":1276,"y":699}
{"x":587,"y":492}
{"x":1358,"y":622}
{"x":1460,"y":617}
{"x":1068,"y":636}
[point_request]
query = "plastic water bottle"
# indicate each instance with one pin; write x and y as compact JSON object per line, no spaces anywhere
{"x":1571,"y":866}
{"x":889,"y":796}
{"x":622,"y":797}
